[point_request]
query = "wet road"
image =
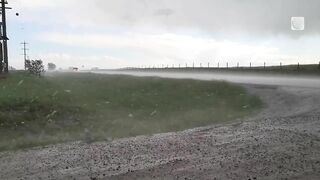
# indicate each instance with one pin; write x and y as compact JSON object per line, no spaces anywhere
{"x":281,"y":142}
{"x":255,"y":79}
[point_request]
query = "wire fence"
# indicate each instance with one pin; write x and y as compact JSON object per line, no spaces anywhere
{"x":219,"y":65}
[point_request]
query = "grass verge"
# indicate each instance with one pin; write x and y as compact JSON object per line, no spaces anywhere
{"x":292,"y":70}
{"x":68,"y":107}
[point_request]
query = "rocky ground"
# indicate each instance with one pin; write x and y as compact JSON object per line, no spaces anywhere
{"x":281,"y":142}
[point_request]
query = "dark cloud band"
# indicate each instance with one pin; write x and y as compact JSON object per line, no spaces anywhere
{"x":261,"y":17}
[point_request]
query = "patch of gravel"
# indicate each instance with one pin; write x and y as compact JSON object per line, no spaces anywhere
{"x":281,"y":142}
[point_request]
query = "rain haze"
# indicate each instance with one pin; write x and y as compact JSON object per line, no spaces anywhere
{"x":135,"y":33}
{"x":159,"y":89}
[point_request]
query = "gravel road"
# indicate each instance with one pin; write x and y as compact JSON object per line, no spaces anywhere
{"x":281,"y":142}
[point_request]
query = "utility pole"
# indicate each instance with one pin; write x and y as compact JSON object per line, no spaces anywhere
{"x":4,"y":37}
{"x":1,"y":58}
{"x":25,"y":54}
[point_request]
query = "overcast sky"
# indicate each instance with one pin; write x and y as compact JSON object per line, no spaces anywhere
{"x":123,"y":33}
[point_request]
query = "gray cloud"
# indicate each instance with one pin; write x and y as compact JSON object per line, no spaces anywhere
{"x":164,"y":12}
{"x":260,"y":17}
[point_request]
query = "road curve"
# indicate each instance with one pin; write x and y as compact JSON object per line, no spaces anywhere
{"x":242,"y":78}
{"x":281,"y":142}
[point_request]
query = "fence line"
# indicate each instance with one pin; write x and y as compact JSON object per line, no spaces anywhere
{"x":264,"y":66}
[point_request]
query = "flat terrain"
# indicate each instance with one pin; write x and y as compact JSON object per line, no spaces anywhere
{"x":292,"y":70}
{"x":281,"y":142}
{"x":233,"y":77}
{"x":67,"y":107}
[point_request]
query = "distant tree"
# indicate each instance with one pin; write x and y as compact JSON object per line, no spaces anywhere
{"x":11,"y":68}
{"x":51,"y":67}
{"x":35,"y":67}
{"x":28,"y":64}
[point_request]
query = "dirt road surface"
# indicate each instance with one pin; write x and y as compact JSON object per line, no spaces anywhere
{"x":281,"y":142}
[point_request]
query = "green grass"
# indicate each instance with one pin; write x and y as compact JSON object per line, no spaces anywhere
{"x":68,"y":107}
{"x":305,"y":69}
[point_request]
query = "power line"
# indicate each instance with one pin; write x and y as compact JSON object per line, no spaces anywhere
{"x":25,"y":55}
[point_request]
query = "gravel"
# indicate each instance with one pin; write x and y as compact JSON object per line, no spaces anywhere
{"x":281,"y":142}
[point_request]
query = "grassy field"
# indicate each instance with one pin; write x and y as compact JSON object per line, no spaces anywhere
{"x":67,"y":107}
{"x":306,"y":69}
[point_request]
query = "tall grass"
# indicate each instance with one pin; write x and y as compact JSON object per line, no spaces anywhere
{"x":68,"y":107}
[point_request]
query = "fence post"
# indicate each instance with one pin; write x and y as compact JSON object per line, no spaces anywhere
{"x":298,"y":66}
{"x":238,"y":65}
{"x":209,"y":65}
{"x":250,"y":65}
{"x":264,"y":65}
{"x":227,"y":65}
{"x":280,"y":65}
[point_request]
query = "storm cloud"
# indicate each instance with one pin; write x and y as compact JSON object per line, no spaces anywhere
{"x":149,"y":32}
{"x":260,"y":17}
